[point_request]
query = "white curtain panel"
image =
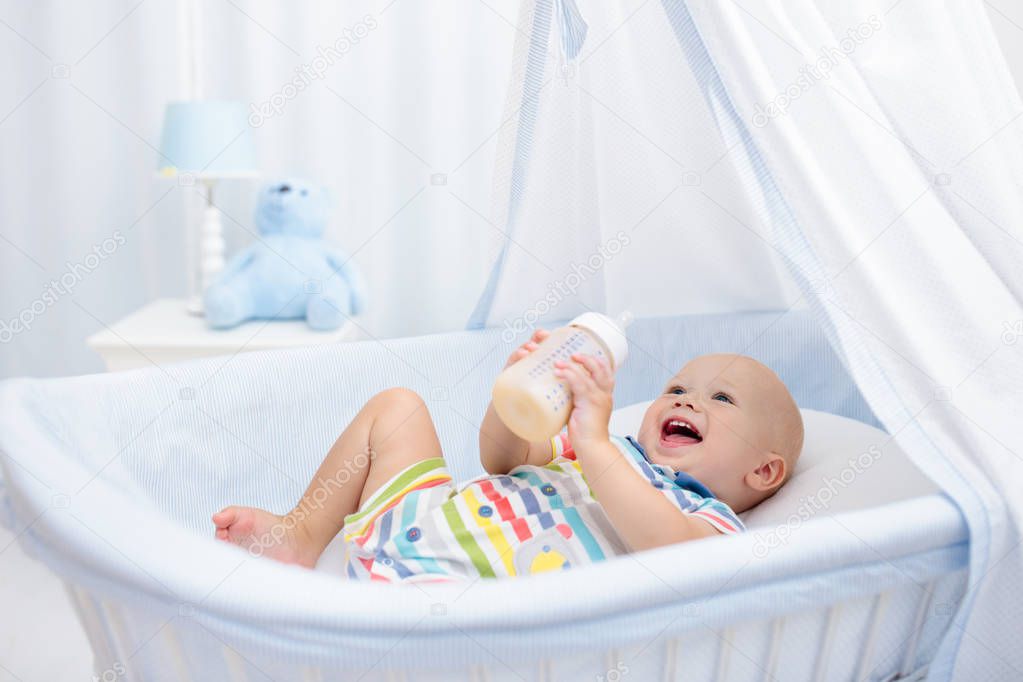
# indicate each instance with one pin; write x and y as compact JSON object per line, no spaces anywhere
{"x":860,"y":159}
{"x":402,"y":127}
{"x":901,"y":166}
{"x":613,"y":182}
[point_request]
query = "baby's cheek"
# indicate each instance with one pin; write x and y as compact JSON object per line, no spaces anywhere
{"x":740,"y":439}
{"x":646,"y":429}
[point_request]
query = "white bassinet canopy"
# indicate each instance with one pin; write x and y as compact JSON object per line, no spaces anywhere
{"x":862,"y":160}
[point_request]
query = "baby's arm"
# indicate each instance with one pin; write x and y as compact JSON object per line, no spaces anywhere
{"x":641,"y":514}
{"x":500,"y":449}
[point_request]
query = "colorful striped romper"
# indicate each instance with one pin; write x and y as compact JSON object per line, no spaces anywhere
{"x":419,"y":526}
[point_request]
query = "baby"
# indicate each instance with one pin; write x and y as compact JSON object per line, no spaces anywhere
{"x":723,"y":436}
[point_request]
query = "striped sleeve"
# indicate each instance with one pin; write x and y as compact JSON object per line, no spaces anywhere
{"x":561,"y":446}
{"x":718,"y":514}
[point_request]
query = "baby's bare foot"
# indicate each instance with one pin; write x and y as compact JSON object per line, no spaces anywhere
{"x":265,"y":534}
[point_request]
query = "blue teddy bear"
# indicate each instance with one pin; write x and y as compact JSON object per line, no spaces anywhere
{"x":290,"y":273}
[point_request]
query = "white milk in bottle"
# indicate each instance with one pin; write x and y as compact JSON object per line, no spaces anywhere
{"x":530,"y":399}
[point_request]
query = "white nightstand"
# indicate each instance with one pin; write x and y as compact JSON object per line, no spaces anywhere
{"x":164,"y":331}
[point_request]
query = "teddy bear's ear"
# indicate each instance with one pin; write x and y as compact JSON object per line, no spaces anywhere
{"x":271,"y":187}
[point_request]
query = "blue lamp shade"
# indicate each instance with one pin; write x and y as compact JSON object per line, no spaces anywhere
{"x":208,"y":138}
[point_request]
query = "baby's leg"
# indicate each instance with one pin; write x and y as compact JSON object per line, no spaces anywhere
{"x":391,"y":432}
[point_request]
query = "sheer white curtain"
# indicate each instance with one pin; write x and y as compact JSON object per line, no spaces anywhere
{"x":614,"y":183}
{"x":898,"y":171}
{"x":870,"y":153}
{"x":402,"y":128}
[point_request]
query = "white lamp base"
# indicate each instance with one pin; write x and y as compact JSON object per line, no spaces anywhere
{"x":211,"y":249}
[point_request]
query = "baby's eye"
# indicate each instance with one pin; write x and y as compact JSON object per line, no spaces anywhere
{"x":723,"y":397}
{"x":677,"y":390}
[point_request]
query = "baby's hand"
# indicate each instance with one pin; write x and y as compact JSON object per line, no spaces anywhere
{"x":591,"y":382}
{"x":528,"y":347}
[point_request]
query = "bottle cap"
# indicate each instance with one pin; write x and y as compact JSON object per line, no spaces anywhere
{"x":611,"y":332}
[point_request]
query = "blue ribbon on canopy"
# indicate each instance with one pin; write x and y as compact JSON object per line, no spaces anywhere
{"x":573,"y":28}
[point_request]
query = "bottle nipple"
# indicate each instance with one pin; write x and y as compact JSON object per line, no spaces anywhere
{"x":624,"y":319}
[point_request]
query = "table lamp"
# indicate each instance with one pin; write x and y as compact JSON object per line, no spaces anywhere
{"x":205,"y":141}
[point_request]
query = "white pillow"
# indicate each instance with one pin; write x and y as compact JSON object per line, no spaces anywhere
{"x":845,"y":465}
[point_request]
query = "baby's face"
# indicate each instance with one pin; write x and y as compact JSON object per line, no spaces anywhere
{"x":721,"y":419}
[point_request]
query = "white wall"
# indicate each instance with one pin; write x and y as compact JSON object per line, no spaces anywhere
{"x":422,"y":94}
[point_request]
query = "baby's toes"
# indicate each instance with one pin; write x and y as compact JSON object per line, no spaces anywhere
{"x":242,"y":525}
{"x":225,"y":517}
{"x":234,"y":524}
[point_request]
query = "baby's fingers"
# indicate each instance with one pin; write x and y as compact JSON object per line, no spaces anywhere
{"x":598,"y":369}
{"x":563,"y":372}
{"x":578,"y":378}
{"x":521,"y":352}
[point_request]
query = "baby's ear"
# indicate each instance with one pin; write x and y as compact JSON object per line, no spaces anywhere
{"x":769,"y":474}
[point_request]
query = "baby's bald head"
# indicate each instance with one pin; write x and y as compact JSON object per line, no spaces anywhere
{"x":775,"y":407}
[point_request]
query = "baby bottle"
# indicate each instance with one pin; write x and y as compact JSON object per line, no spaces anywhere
{"x":534,"y":403}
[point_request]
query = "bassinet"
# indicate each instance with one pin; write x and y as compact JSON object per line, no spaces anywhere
{"x":110,"y":481}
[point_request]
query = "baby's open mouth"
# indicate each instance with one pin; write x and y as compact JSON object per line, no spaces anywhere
{"x":676,"y":432}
